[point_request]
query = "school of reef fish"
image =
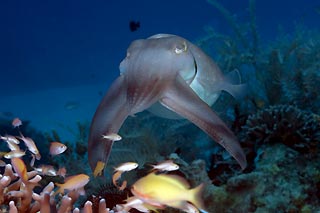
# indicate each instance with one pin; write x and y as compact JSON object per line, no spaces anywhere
{"x":163,"y":165}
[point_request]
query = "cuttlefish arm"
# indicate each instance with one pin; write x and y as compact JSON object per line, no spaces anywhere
{"x":181,"y":99}
{"x":108,"y":118}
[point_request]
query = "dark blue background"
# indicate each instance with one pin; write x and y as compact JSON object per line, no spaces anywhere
{"x":63,"y":43}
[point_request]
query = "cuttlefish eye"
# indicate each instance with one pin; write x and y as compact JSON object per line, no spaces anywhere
{"x":181,"y":48}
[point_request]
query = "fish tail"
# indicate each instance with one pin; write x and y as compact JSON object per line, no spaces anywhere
{"x":60,"y":190}
{"x":196,"y":196}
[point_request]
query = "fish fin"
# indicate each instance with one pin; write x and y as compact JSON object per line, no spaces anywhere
{"x":59,"y":191}
{"x":233,"y":77}
{"x":196,"y":196}
{"x":238,"y":91}
{"x":108,"y":118}
{"x":184,"y":101}
{"x":233,"y":85}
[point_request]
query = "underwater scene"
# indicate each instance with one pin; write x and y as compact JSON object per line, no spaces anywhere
{"x":160,"y":106}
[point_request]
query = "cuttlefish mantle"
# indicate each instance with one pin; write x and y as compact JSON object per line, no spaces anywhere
{"x":171,"y":71}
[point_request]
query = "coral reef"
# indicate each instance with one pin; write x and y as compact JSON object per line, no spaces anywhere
{"x":269,"y":188}
{"x":298,"y":129}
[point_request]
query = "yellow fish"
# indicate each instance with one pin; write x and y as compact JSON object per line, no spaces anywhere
{"x":98,"y":169}
{"x":167,"y":190}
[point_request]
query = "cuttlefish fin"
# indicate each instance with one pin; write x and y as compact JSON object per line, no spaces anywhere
{"x":180,"y":98}
{"x":109,"y":117}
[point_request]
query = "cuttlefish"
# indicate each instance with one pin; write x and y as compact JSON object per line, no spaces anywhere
{"x":171,"y":77}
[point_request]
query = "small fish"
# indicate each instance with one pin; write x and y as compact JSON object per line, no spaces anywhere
{"x":98,"y":169}
{"x":112,"y":137}
{"x":116,"y":176}
{"x":10,"y":138}
{"x":73,"y":183}
{"x":46,"y":170}
{"x":3,"y":154}
{"x":62,"y":171}
{"x":16,"y":122}
{"x":134,"y":202}
{"x":2,"y":163}
{"x":20,"y":168}
{"x":13,"y":146}
{"x":33,"y":159}
{"x":71,"y":105}
{"x":123,"y":186}
{"x":167,"y":165}
{"x":57,"y":148}
{"x":189,"y":208}
{"x":14,"y":154}
{"x":31,"y":146}
{"x":168,"y":190}
{"x":134,"y":25}
{"x":125,"y":167}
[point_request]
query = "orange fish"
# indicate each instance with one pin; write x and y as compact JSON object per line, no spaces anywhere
{"x":73,"y":183}
{"x":16,"y":122}
{"x":20,"y":168}
{"x":116,"y":176}
{"x":57,"y":148}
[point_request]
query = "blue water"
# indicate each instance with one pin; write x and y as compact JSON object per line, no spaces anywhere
{"x":49,"y":44}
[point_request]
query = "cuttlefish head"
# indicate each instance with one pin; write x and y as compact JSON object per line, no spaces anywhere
{"x":170,"y":55}
{"x":156,"y":70}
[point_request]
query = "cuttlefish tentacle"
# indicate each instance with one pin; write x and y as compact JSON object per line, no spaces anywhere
{"x":169,"y":70}
{"x":109,"y":116}
{"x":183,"y":100}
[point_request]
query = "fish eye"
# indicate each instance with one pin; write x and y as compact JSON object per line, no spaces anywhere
{"x":181,"y":48}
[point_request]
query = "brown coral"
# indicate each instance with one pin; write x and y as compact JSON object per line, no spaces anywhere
{"x":287,"y":124}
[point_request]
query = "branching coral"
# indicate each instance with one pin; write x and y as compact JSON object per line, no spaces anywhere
{"x":19,"y":184}
{"x":17,"y":196}
{"x":296,"y":128}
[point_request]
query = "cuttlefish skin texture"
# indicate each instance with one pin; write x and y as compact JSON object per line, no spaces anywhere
{"x":169,"y":70}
